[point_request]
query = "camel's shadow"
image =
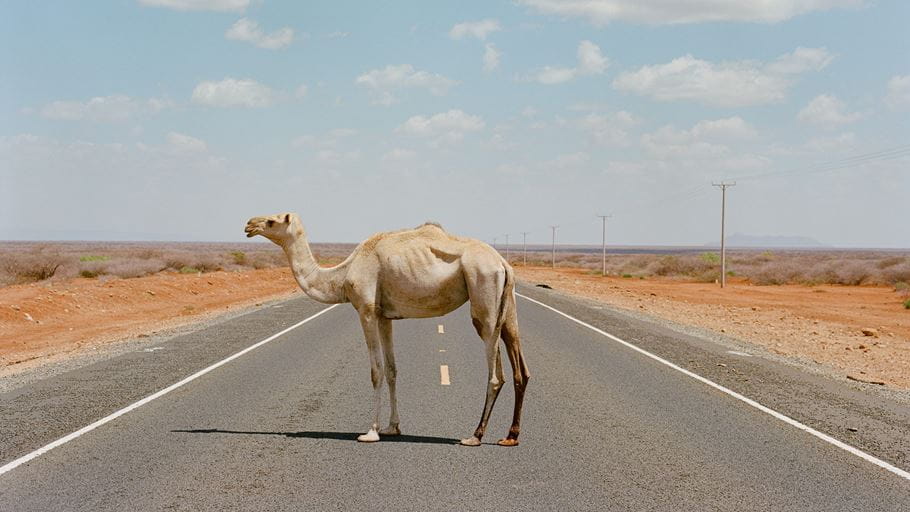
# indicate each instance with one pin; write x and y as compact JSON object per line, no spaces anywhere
{"x":338,"y":436}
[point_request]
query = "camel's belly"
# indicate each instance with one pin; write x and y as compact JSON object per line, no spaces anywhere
{"x":434,"y":290}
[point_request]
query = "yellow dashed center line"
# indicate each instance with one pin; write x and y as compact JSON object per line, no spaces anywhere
{"x":440,"y":329}
{"x":444,"y":374}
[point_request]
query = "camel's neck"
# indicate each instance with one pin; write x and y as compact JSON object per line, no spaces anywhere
{"x":322,"y":284}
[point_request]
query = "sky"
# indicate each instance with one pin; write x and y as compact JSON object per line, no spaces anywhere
{"x":180,"y":119}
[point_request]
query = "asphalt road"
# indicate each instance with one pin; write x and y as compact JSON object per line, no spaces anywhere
{"x":605,"y":427}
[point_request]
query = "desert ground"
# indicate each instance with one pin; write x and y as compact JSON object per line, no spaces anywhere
{"x":845,"y":311}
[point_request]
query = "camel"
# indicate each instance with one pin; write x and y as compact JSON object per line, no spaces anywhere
{"x":413,"y":273}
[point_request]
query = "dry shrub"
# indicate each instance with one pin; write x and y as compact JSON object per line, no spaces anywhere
{"x":688,"y":265}
{"x":136,"y":267}
{"x":778,"y":272}
{"x":897,"y":273}
{"x":202,"y":262}
{"x":269,"y":259}
{"x":854,"y":274}
{"x":33,"y":266}
{"x":890,"y":262}
{"x":93,"y":268}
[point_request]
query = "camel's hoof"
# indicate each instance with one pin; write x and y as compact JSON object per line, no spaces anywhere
{"x":391,"y":430}
{"x":471,"y":441}
{"x":370,"y":437}
{"x":507,"y":442}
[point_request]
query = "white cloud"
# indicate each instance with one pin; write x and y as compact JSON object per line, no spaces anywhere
{"x":729,"y":128}
{"x":444,"y":128}
{"x":103,"y":108}
{"x":491,"y":57}
{"x":607,"y":129}
{"x":249,"y":31}
{"x":590,"y":62}
{"x":662,"y":12}
{"x":551,"y":76}
{"x":569,"y":160}
{"x":710,"y":148}
{"x":898,"y":92}
{"x":479,"y":29}
{"x":330,"y":139}
{"x":399,"y":155}
{"x":722,"y":84}
{"x":181,"y":142}
{"x":231,"y":92}
{"x":199,"y":5}
{"x":383,"y":82}
{"x":836,"y":144}
{"x":827,"y":111}
{"x":335,"y":158}
{"x":800,"y":61}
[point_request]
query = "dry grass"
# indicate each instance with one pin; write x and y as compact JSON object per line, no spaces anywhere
{"x":757,"y":267}
{"x":24,"y":262}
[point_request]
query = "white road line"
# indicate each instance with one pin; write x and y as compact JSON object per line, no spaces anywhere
{"x":444,"y":374}
{"x":782,"y":417}
{"x":135,"y":405}
{"x":440,"y":329}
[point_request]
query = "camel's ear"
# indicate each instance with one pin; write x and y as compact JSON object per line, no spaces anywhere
{"x":287,"y":218}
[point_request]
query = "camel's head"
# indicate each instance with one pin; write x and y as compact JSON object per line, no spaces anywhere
{"x":277,"y":228}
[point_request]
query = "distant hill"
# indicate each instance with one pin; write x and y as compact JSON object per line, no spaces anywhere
{"x":744,"y":240}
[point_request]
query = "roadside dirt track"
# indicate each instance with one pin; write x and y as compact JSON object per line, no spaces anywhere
{"x":47,"y":320}
{"x":821,"y":323}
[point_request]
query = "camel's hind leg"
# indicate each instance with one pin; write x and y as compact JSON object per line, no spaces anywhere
{"x":485,"y":292}
{"x":520,"y":373}
{"x":494,"y":385}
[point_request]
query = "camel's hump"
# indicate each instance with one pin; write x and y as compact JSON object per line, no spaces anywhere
{"x":431,"y":223}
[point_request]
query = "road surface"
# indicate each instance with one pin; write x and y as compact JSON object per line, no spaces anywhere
{"x":605,"y":426}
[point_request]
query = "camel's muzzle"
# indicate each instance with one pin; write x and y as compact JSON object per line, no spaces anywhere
{"x":251,"y":230}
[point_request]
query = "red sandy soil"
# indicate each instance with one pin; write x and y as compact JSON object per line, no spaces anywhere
{"x":46,"y":319}
{"x":823,"y":323}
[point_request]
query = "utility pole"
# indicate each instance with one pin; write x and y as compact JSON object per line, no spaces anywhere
{"x":507,"y":247}
{"x":723,"y":212}
{"x":524,"y":247}
{"x":604,"y":218}
{"x":494,"y":243}
{"x":554,"y":228}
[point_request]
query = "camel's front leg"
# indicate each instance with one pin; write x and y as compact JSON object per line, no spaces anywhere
{"x":385,"y":334}
{"x":369,"y":320}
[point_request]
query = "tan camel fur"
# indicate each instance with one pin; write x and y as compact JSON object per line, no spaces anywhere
{"x":413,"y":273}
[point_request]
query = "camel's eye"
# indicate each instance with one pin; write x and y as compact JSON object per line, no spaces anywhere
{"x":271,"y":223}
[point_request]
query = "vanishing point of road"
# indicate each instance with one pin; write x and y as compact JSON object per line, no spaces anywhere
{"x":606,"y":427}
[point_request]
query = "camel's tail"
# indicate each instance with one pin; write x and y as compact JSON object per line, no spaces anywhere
{"x":507,"y":301}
